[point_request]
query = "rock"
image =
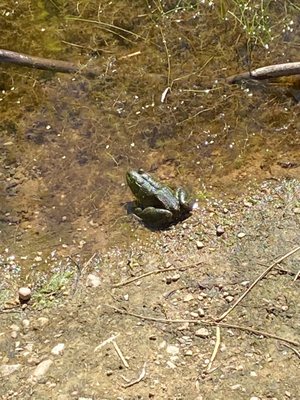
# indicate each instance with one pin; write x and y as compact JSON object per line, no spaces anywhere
{"x":183,"y":327}
{"x":58,"y":349}
{"x":93,"y":281}
{"x":14,"y":335}
{"x":194,"y":314}
{"x":41,"y":370}
{"x":24,"y":294}
{"x":171,"y":365}
{"x":220,"y":230}
{"x":199,"y":244}
{"x":188,"y":298}
{"x":42,"y":321}
{"x":8,"y":369}
{"x":201,"y":312}
{"x":172,"y":349}
{"x":26,"y":324}
{"x":296,"y":210}
{"x":229,"y":299}
{"x":240,"y":235}
{"x":202,"y":332}
{"x":173,"y":278}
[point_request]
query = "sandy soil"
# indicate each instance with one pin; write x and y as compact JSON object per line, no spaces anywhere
{"x":208,"y":271}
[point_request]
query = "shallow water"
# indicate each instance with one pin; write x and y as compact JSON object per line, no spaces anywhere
{"x":67,"y":140}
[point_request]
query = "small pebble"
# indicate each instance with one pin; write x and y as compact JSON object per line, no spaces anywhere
{"x":24,"y":294}
{"x":235,"y":387}
{"x":188,"y":298}
{"x":194,"y":314}
{"x":229,"y":299}
{"x":26,"y":323}
{"x":58,"y":349}
{"x":199,"y":244}
{"x":240,"y":235}
{"x":202,"y":332}
{"x":41,"y":369}
{"x":297,"y":210}
{"x":8,"y":369}
{"x":172,"y":349}
{"x":201,"y":312}
{"x":14,"y":335}
{"x":93,"y":281}
{"x":220,"y":230}
{"x":42,"y":321}
{"x":171,"y":365}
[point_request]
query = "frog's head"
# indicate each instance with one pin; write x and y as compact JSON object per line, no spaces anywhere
{"x":135,"y":181}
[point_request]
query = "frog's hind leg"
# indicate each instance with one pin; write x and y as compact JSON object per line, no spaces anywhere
{"x":155,"y":216}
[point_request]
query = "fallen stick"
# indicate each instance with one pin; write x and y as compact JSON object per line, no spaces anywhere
{"x":270,"y":71}
{"x":261,"y":276}
{"x":205,"y":323}
{"x":155,"y":271}
{"x":135,"y":381}
{"x":48,"y":64}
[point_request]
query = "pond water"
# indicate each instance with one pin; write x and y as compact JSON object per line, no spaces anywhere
{"x":160,"y":101}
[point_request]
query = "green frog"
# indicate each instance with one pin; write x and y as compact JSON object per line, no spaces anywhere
{"x":157,"y":204}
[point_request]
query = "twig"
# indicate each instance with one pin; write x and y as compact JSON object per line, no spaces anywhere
{"x":135,"y":381}
{"x":107,"y":341}
{"x":261,"y":276}
{"x":9,"y":310}
{"x":48,"y":64}
{"x":216,"y":348}
{"x":292,"y":348}
{"x":136,"y":53}
{"x":120,"y":354}
{"x":297,"y":275}
{"x":205,"y":323}
{"x":86,"y":264}
{"x":155,"y":271}
{"x":270,"y":71}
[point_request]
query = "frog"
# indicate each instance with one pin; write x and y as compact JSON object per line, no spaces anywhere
{"x":156,"y":203}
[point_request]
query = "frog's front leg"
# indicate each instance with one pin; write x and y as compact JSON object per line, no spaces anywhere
{"x":154,"y":216}
{"x":182,"y":197}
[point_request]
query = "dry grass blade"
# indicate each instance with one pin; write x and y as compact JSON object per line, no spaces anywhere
{"x":216,"y":348}
{"x":109,"y":28}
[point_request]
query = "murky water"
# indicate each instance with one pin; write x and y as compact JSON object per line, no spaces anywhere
{"x":159,"y":101}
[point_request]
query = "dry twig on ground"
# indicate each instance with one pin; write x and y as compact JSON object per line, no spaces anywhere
{"x":270,"y":71}
{"x":261,"y":276}
{"x":205,"y":323}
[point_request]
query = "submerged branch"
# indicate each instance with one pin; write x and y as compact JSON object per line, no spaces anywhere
{"x":47,"y":64}
{"x":270,"y":71}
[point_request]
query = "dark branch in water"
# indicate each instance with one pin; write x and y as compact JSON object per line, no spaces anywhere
{"x":271,"y":71}
{"x":47,"y":64}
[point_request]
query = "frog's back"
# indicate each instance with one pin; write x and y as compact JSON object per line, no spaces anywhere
{"x":167,"y":199}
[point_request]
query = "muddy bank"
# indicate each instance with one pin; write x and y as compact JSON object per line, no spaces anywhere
{"x":207,"y":273}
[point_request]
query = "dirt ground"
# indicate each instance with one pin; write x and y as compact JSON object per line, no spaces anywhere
{"x":212,"y":258}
